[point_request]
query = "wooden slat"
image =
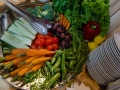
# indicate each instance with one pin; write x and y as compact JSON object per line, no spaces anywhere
{"x":116,"y":30}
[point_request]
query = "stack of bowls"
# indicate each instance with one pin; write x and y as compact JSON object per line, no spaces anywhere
{"x":103,"y":63}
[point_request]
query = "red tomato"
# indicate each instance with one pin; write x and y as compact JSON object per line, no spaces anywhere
{"x":48,"y":42}
{"x":40,"y":47}
{"x":50,"y":34}
{"x":33,"y":46}
{"x":47,"y":37}
{"x":49,"y":47}
{"x":40,"y":42}
{"x":55,"y":46}
{"x":39,"y":36}
{"x":55,"y":40}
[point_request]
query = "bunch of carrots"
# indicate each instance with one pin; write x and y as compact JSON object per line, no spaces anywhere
{"x":64,"y":21}
{"x":26,"y":60}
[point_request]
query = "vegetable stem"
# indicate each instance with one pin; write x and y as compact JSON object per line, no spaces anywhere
{"x":8,"y":65}
{"x":93,"y":27}
{"x":2,"y":59}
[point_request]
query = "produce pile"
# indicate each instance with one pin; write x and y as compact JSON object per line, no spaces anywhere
{"x":54,"y":59}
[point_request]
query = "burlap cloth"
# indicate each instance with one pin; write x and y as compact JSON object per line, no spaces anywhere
{"x":83,"y":76}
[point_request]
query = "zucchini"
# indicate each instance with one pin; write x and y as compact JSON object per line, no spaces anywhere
{"x":27,"y":25}
{"x":23,"y":39}
{"x":23,"y":30}
{"x":10,"y":39}
{"x":14,"y":29}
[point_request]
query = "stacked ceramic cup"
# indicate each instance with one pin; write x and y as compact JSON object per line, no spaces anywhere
{"x":104,"y":62}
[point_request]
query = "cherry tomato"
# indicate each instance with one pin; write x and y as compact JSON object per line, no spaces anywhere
{"x":49,"y":47}
{"x":40,"y":47}
{"x":33,"y":46}
{"x":55,"y":46}
{"x":48,"y":42}
{"x":39,"y":36}
{"x":55,"y":40}
{"x":40,"y":42}
{"x":50,"y":34}
{"x":47,"y":37}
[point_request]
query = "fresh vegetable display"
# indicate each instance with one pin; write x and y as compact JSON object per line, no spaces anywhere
{"x":42,"y":62}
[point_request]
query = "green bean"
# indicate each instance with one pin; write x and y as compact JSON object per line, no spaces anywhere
{"x":69,"y":49}
{"x":49,"y":67}
{"x":54,"y":79}
{"x":78,"y":56}
{"x":79,"y":63}
{"x":73,"y":44}
{"x":59,"y":52}
{"x":63,"y":68}
{"x":71,"y":57}
{"x":47,"y":73}
{"x":68,"y":53}
{"x":72,"y":63}
{"x":79,"y":46}
{"x":67,"y":64}
{"x":58,"y":62}
{"x":54,"y":58}
{"x":57,"y":70}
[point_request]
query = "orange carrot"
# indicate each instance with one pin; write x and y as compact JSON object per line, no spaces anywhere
{"x":36,"y":53}
{"x":8,"y":57}
{"x":37,"y":66}
{"x":64,"y":20}
{"x":61,"y":18}
{"x":5,"y":63}
{"x":24,"y":70}
{"x":29,"y":60}
{"x":39,"y":60}
{"x":17,"y":70}
{"x":68,"y":25}
{"x":17,"y":60}
{"x":14,"y":51}
{"x":19,"y":64}
{"x":17,"y":51}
